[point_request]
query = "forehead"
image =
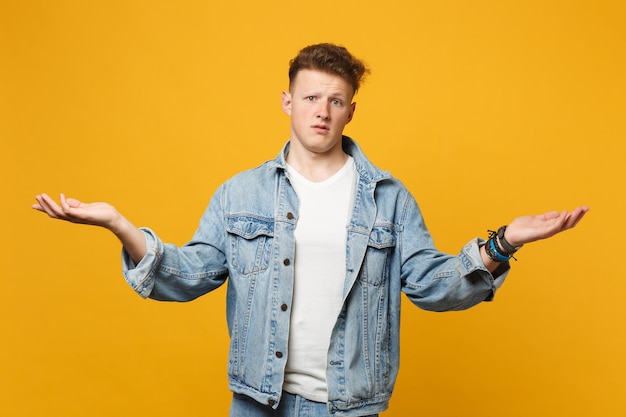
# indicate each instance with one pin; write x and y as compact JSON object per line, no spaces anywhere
{"x":312,"y":79}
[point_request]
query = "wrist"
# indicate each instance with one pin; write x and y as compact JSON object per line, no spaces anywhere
{"x":493,"y":252}
{"x":118,"y":224}
{"x":506,"y":245}
{"x":498,"y":248}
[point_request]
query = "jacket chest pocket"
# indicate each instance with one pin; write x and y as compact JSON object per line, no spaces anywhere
{"x":250,"y":240}
{"x":381,"y":243}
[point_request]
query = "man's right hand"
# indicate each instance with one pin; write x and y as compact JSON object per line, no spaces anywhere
{"x":75,"y":211}
{"x":95,"y":214}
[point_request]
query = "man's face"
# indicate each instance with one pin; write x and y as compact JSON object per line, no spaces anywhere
{"x":320,"y":106}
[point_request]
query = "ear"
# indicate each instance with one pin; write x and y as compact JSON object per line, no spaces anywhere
{"x":286,"y":101}
{"x":351,"y":114}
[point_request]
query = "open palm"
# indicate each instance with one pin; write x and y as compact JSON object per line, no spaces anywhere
{"x":526,"y":229}
{"x":75,"y":211}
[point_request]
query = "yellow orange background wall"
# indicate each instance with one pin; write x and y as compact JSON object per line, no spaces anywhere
{"x":485,"y":109}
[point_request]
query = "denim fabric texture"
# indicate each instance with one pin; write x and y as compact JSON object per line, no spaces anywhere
{"x":290,"y":406}
{"x":246,"y":238}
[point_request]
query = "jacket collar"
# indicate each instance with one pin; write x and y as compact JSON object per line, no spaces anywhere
{"x":363,"y":166}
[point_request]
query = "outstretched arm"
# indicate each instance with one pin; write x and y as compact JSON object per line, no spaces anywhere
{"x":95,"y":214}
{"x":528,"y":229}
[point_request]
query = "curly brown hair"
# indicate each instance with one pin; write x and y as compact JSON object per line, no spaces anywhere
{"x":330,"y":58}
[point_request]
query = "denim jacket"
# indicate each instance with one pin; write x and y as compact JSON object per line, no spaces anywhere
{"x":247,"y":235}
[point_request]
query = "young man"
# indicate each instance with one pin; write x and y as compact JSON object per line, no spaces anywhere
{"x":317,"y":245}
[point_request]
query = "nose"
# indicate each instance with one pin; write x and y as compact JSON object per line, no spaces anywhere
{"x":322,"y":111}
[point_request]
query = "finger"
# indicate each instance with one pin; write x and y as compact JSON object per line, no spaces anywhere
{"x":64,"y":205}
{"x":576,"y":216}
{"x":551,"y":215}
{"x":554,"y":221}
{"x":52,"y":208}
{"x":69,"y":203}
{"x":563,"y":217}
{"x":37,"y":206}
{"x":74,"y":203}
{"x":573,"y":222}
{"x":69,"y":206}
{"x":554,"y":224}
{"x":44,"y":205}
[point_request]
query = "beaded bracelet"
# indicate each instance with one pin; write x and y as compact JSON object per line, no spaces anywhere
{"x":504,"y":244}
{"x":493,"y":249}
{"x":493,"y":253}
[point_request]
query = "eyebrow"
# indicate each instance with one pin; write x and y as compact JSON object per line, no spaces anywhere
{"x":340,"y":95}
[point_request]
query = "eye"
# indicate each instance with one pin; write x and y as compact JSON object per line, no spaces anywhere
{"x":336,"y":102}
{"x":310,"y":98}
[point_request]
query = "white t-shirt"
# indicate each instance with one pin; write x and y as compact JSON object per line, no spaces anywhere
{"x":320,"y":268}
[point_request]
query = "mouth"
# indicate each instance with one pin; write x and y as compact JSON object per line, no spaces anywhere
{"x":320,"y":128}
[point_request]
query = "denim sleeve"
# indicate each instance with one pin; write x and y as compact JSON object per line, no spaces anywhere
{"x":171,"y":273}
{"x":141,"y":276}
{"x":436,"y":281}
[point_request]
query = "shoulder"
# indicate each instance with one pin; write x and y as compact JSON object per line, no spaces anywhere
{"x":254,"y":187}
{"x":392,"y":192}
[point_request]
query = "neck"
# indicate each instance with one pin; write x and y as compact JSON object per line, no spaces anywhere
{"x":313,"y":166}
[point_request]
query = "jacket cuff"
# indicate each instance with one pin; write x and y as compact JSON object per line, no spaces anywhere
{"x":473,"y":262}
{"x":141,"y":276}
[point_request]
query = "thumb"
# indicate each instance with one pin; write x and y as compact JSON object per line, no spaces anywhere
{"x":69,"y":203}
{"x":73,"y":203}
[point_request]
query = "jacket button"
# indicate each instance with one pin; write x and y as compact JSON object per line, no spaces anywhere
{"x":283,"y":307}
{"x":290,"y":216}
{"x":271,"y":402}
{"x":286,"y":262}
{"x":279,"y":354}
